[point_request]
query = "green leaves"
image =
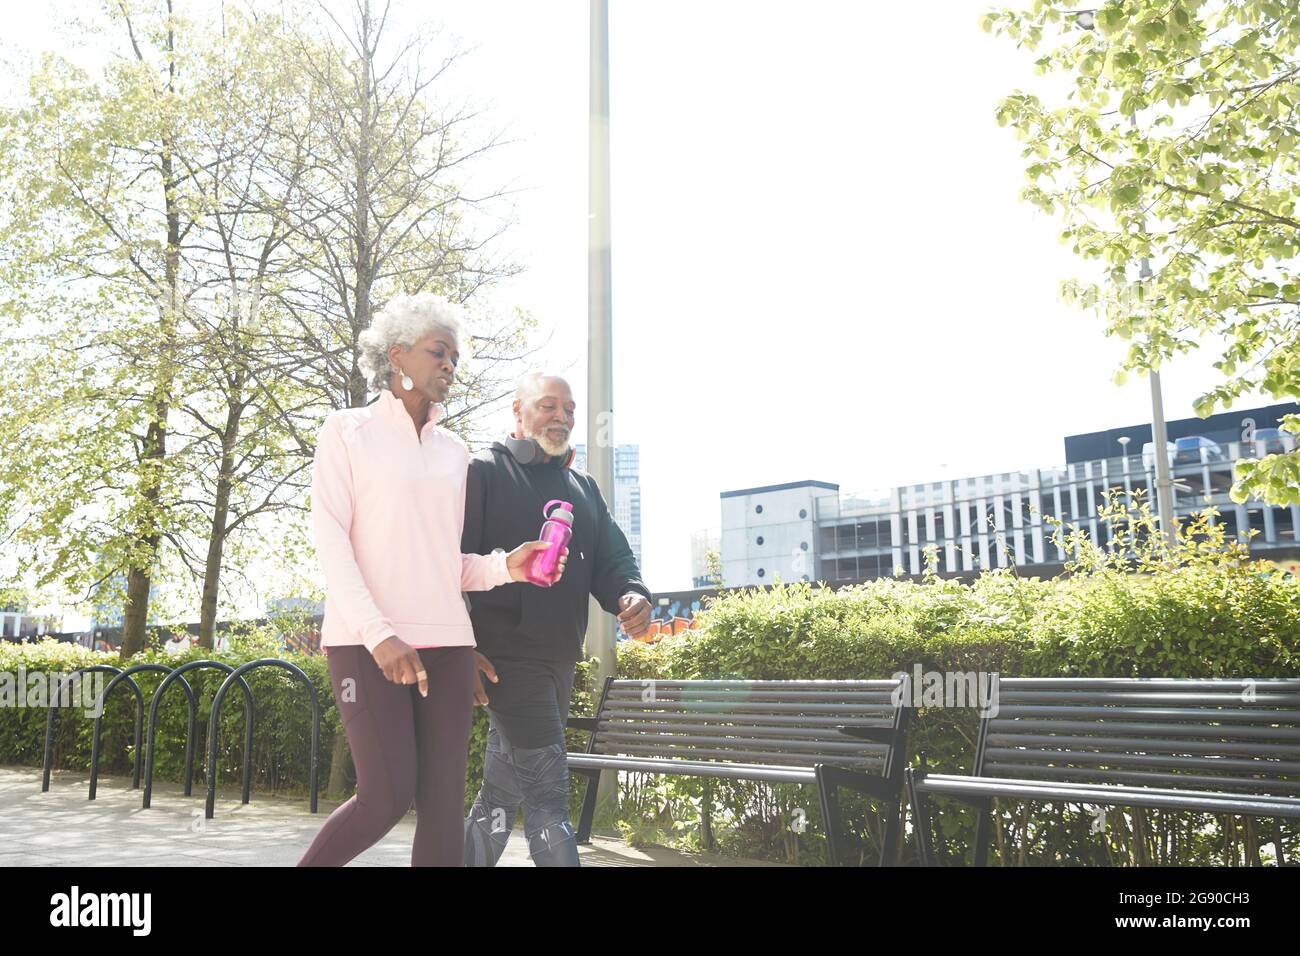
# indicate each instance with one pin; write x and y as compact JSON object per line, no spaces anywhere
{"x":185,"y":241}
{"x":1204,"y":186}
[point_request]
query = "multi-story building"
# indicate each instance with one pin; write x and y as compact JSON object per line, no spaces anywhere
{"x":808,"y":530}
{"x":771,"y":530}
{"x":626,"y":506}
{"x":17,"y":625}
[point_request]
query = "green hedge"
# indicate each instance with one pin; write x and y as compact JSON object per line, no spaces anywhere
{"x":1201,"y":611}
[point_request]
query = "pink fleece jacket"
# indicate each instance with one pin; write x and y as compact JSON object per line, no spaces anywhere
{"x":388,"y":509}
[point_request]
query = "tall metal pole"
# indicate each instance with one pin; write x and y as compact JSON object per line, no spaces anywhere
{"x":1160,"y":438}
{"x":600,"y":361}
{"x":1086,"y":20}
{"x":1164,"y":484}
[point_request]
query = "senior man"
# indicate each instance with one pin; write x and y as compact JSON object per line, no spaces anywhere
{"x":530,"y":639}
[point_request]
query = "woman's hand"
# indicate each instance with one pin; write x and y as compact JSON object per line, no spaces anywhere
{"x":401,"y":664}
{"x":517,"y":558}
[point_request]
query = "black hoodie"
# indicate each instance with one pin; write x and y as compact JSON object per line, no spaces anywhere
{"x":503,"y":509}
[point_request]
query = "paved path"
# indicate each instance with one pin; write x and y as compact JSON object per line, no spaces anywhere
{"x":63,"y":828}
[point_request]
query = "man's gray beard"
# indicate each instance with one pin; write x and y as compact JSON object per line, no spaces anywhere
{"x":550,"y":447}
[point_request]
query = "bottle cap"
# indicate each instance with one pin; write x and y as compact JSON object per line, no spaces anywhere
{"x":563,"y":513}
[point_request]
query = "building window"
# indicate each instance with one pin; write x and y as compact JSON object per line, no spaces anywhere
{"x":803,"y":513}
{"x":758,"y":509}
{"x":761,"y":572}
{"x":760,"y":539}
{"x":804,"y":578}
{"x":827,"y":539}
{"x":803,"y":545}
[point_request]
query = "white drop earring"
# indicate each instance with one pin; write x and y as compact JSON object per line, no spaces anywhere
{"x":407,"y":382}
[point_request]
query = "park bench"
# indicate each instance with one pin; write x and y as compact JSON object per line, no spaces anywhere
{"x":1208,"y":746}
{"x":830,"y":734}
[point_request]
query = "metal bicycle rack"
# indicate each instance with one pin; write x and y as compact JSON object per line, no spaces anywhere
{"x":234,"y":677}
{"x":51,"y":712}
{"x":123,"y":678}
{"x":216,"y":714}
{"x":175,"y":675}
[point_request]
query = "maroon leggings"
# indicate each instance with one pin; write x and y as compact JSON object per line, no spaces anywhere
{"x":406,"y":748}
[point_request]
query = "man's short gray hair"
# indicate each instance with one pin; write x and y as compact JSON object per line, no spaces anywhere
{"x":404,"y":320}
{"x":531,"y":382}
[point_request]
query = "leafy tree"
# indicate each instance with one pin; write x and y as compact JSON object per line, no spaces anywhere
{"x":713,"y":566}
{"x":194,"y":236}
{"x":1175,"y":141}
{"x":240,"y":453}
{"x":94,"y":287}
{"x":385,"y":208}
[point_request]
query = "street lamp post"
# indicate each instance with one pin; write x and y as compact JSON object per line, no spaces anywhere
{"x":600,"y":362}
{"x":1086,"y":20}
{"x":1123,"y":444}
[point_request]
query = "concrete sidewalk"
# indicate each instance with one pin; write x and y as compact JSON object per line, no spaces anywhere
{"x":63,"y":828}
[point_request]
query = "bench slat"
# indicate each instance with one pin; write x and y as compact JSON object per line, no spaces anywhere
{"x":1213,"y":731}
{"x":1283,"y":684}
{"x":1108,"y":787}
{"x":879,"y":685}
{"x":700,"y":768}
{"x":1261,"y":716}
{"x":1143,"y":745}
{"x":756,"y":744}
{"x":753,"y":756}
{"x":1089,"y":757}
{"x":815,"y":721}
{"x":758,"y":696}
{"x":828,"y":733}
{"x":1148,"y":696}
{"x":1117,"y":796}
{"x":758,"y":708}
{"x":1184,"y":781}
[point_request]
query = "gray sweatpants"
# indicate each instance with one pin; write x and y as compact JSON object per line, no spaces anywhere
{"x":525,"y":765}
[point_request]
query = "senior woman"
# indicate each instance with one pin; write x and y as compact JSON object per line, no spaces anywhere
{"x":388,"y":508}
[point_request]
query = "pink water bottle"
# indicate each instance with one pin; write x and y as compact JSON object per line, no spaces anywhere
{"x":558,"y":529}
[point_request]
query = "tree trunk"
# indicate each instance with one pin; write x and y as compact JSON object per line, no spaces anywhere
{"x":141,"y":565}
{"x":217,"y":537}
{"x":136,"y":611}
{"x":338,"y":766}
{"x":212,"y":567}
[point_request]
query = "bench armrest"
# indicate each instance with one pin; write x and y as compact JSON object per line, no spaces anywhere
{"x":880,"y":735}
{"x":582,"y":723}
{"x":863,"y":782}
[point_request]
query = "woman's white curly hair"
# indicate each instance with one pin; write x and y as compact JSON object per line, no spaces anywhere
{"x":404,"y":320}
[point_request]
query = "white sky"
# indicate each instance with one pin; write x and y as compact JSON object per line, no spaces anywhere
{"x":822,"y":268}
